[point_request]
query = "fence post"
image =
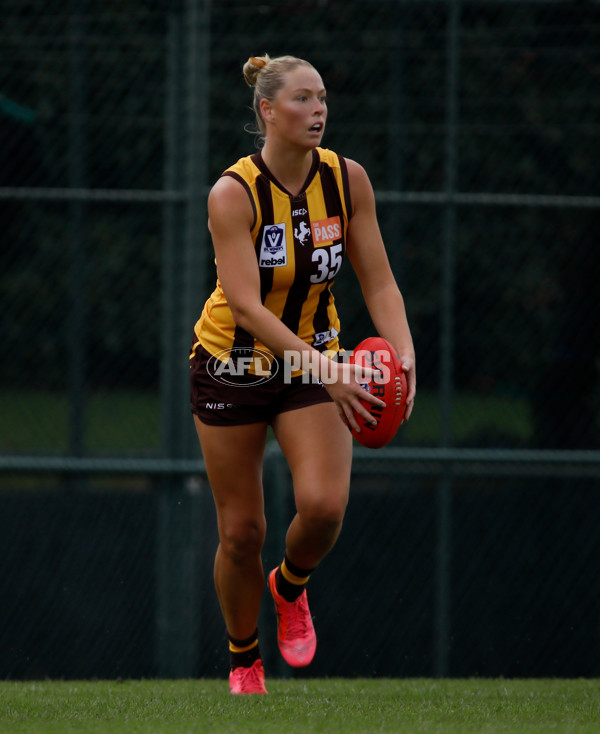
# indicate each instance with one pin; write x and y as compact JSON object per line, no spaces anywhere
{"x":76,"y":331}
{"x":396,"y":127}
{"x":277,"y":483}
{"x":178,"y":589}
{"x":443,"y":554}
{"x":184,"y":254}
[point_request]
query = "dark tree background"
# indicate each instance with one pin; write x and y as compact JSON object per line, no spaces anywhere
{"x":526,"y":320}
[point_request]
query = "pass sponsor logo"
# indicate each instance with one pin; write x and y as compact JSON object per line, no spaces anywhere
{"x":325,"y":231}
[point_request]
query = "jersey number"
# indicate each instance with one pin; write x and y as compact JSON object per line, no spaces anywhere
{"x":329,"y":261}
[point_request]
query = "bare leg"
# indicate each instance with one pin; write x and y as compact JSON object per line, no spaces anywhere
{"x":234,"y":459}
{"x":318,"y":448}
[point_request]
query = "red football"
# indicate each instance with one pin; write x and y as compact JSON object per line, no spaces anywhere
{"x":389,"y":385}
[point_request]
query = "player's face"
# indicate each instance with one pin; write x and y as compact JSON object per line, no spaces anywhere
{"x":299,"y":111}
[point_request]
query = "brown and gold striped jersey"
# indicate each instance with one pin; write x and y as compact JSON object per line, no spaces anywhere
{"x":300,"y":243}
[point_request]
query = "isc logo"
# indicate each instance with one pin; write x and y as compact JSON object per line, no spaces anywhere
{"x":326,"y":230}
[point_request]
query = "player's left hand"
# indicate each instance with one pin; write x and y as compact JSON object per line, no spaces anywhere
{"x":409,"y":368}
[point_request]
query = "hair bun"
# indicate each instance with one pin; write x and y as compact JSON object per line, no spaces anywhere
{"x":253,"y":67}
{"x":258,"y":61}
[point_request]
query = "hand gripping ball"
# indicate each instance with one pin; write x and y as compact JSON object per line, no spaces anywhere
{"x":388,"y":384}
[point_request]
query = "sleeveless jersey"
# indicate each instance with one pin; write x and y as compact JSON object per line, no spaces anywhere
{"x":300,"y":243}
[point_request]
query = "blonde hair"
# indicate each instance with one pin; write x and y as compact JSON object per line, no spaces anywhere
{"x":267,"y":76}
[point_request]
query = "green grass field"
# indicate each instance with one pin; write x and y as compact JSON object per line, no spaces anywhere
{"x":120,"y":421}
{"x":294,"y":706}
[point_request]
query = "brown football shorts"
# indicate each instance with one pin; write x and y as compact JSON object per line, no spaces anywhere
{"x":240,"y":399}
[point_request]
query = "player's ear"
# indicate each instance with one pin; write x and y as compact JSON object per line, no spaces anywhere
{"x":266,"y":110}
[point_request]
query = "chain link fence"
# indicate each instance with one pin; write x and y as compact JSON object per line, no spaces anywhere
{"x":470,"y":546}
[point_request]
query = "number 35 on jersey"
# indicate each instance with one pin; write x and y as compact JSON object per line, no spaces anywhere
{"x":329,"y":261}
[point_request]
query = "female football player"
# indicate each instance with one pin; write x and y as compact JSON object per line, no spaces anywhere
{"x":282,"y":221}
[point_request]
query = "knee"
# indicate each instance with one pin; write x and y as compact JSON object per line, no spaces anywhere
{"x":325,"y":514}
{"x":242,"y":540}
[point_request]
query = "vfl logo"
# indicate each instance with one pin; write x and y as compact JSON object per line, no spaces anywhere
{"x":255,"y":365}
{"x":301,"y":232}
{"x":273,"y":250}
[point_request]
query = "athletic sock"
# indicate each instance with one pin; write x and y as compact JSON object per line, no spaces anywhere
{"x":243,"y":653}
{"x":290,"y":580}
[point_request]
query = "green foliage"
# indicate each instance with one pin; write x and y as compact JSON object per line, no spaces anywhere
{"x":120,"y":421}
{"x":524,"y":291}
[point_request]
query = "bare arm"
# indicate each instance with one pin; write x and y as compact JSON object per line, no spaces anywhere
{"x":230,"y":216}
{"x":380,"y":291}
